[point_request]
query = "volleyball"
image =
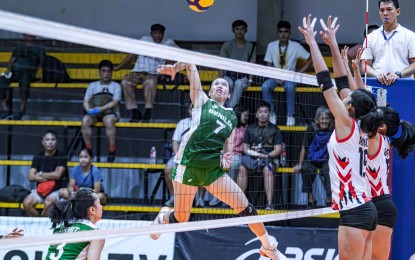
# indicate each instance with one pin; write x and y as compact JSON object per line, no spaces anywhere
{"x":200,"y":5}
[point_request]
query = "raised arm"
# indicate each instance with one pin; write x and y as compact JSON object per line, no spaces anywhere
{"x":338,"y":109}
{"x":356,"y":68}
{"x":197,"y":96}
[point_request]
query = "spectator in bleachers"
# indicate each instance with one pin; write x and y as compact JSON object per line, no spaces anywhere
{"x":23,"y":64}
{"x":85,"y":175}
{"x":238,"y":49}
{"x":352,"y":52}
{"x":144,"y":72}
{"x":181,"y":129}
{"x":390,"y":51}
{"x":262,"y":143}
{"x":237,"y":151}
{"x":283,"y":54}
{"x":314,"y":155}
{"x":49,"y":172}
{"x":101,"y":103}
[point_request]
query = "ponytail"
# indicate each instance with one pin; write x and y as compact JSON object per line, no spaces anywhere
{"x":406,"y":142}
{"x":370,"y":122}
{"x":74,"y":208}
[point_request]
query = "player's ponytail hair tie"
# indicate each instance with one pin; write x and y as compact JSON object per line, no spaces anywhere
{"x":401,"y":121}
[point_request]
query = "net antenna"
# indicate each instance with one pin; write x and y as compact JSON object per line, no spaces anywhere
{"x":367,"y":28}
{"x":59,"y":31}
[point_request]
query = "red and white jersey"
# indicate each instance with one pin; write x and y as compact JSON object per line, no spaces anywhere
{"x":347,"y":176}
{"x":377,"y":169}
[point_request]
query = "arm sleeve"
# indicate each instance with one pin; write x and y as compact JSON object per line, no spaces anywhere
{"x":88,"y":93}
{"x":224,"y":50}
{"x":96,"y":173}
{"x":117,"y":92}
{"x":367,"y":52}
{"x":277,"y":137}
{"x":35,"y":162}
{"x":411,"y":45}
{"x":268,"y":57}
{"x":303,"y":53}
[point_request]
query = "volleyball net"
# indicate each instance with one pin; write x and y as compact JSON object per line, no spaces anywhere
{"x":134,"y":177}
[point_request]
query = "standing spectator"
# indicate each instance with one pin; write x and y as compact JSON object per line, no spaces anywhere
{"x":24,"y":63}
{"x":101,"y":104}
{"x":262,"y":143}
{"x":48,"y":169}
{"x":390,"y":52}
{"x":238,"y":49}
{"x":283,"y":54}
{"x":85,"y":175}
{"x":79,"y":213}
{"x":181,"y":129}
{"x":237,"y":151}
{"x":314,"y":155}
{"x":144,"y":72}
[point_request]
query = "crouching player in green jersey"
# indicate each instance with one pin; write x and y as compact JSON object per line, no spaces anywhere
{"x":79,"y":213}
{"x":204,"y":153}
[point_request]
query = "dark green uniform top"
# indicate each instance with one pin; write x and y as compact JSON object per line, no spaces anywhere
{"x":70,"y":251}
{"x":211,"y":125}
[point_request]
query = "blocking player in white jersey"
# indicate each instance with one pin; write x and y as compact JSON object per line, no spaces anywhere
{"x":378,"y":163}
{"x":358,"y":216}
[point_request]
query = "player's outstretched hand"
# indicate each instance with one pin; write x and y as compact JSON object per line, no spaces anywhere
{"x":308,"y":29}
{"x":329,"y":31}
{"x":169,"y":70}
{"x":356,"y":61}
{"x":227,"y":160}
{"x":15,"y":233}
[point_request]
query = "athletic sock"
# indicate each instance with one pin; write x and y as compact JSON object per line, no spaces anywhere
{"x":264,"y":240}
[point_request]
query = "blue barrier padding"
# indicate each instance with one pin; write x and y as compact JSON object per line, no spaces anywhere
{"x":401,"y":96}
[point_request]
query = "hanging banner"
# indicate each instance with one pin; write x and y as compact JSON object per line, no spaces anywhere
{"x":239,"y":243}
{"x":123,"y":248}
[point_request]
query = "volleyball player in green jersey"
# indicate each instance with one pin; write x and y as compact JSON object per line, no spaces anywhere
{"x":200,"y":161}
{"x":80,"y":213}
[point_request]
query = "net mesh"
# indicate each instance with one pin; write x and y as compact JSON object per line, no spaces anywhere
{"x":134,"y":183}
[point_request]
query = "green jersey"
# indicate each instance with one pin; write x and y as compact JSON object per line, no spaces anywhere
{"x":211,"y":125}
{"x":72,"y":251}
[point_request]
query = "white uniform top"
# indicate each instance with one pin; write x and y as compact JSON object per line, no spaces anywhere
{"x":377,"y":169}
{"x":295,"y":51}
{"x":347,"y":179}
{"x":391,"y":54}
{"x":150,"y":64}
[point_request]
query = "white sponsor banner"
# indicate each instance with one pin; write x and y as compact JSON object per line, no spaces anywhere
{"x":132,"y":247}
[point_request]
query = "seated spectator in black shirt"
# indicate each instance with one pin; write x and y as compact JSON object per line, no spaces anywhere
{"x":49,"y":171}
{"x":262,"y":143}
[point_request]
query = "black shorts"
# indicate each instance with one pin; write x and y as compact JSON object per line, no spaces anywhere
{"x":387,"y":212}
{"x":363,"y":217}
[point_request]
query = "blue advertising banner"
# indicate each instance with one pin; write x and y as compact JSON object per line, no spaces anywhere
{"x":401,"y":96}
{"x":240,"y":243}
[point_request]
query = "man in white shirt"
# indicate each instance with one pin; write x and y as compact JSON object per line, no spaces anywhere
{"x":283,"y":54}
{"x":101,"y":102}
{"x":390,"y":51}
{"x":144,"y":72}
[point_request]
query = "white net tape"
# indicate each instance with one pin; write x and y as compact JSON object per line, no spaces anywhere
{"x":35,"y":26}
{"x":180,"y":227}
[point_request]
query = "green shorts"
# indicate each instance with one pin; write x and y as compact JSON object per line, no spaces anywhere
{"x":194,"y":176}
